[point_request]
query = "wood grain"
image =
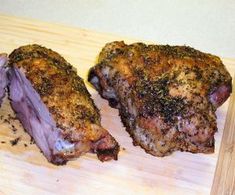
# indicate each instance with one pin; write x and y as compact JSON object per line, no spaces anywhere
{"x":224,"y":180}
{"x":23,"y":169}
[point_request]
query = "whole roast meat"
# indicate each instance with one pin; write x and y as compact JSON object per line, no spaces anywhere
{"x":166,"y":95}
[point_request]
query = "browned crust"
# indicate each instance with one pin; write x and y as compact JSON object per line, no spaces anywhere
{"x":165,"y":83}
{"x":65,"y":95}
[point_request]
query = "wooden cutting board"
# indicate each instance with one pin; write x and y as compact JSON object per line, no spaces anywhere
{"x":23,"y":169}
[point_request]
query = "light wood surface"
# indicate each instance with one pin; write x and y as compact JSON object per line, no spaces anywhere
{"x":24,"y":170}
{"x":224,"y":181}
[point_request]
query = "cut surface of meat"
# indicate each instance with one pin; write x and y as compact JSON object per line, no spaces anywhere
{"x":54,"y":106}
{"x":3,"y":76}
{"x":166,"y":95}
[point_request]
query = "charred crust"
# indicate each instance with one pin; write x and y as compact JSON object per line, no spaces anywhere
{"x":108,"y":154}
{"x":58,"y":160}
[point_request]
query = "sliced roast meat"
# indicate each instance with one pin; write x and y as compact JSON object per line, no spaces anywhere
{"x":3,"y":76}
{"x":54,"y":106}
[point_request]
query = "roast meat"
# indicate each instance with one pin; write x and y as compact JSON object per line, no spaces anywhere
{"x":54,"y":106}
{"x":166,"y":95}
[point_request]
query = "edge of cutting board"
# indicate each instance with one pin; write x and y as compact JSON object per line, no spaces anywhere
{"x":224,"y":178}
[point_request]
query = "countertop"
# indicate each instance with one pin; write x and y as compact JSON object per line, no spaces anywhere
{"x":203,"y":24}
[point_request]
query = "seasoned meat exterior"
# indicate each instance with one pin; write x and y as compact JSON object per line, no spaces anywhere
{"x":166,"y":95}
{"x":54,"y":106}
